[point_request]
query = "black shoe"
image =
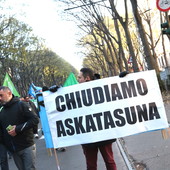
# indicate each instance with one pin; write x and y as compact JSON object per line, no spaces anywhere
{"x":36,"y":136}
{"x":61,"y":149}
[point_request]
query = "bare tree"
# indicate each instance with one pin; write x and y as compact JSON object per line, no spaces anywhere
{"x":151,"y":62}
{"x":125,"y":23}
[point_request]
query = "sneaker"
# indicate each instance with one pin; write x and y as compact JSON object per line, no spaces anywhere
{"x":36,"y":136}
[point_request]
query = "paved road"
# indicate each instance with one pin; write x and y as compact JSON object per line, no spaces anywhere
{"x":71,"y":159}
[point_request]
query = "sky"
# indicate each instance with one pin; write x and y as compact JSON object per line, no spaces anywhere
{"x":44,"y":16}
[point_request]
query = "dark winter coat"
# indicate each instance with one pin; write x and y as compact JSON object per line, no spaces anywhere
{"x":101,"y":143}
{"x":18,"y":113}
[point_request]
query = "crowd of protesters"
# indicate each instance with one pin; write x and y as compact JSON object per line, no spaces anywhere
{"x":19,"y":118}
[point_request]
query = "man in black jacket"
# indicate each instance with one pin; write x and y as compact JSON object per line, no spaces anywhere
{"x":16,"y":122}
{"x":90,"y":150}
{"x":34,"y":108}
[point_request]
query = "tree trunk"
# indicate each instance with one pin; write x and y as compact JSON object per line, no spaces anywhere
{"x":148,"y":56}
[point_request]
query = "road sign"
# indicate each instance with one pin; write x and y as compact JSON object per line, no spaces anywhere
{"x":163,"y":5}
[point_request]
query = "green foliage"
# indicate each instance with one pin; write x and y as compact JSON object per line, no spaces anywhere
{"x":26,"y":59}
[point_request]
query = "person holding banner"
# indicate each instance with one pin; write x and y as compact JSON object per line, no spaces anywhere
{"x":91,"y":150}
{"x":16,"y":122}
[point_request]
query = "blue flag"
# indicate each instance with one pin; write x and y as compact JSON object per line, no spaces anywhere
{"x":71,"y":80}
{"x":44,"y":122}
{"x":36,"y":88}
{"x":31,"y":91}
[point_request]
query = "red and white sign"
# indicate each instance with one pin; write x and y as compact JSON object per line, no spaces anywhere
{"x":163,"y":5}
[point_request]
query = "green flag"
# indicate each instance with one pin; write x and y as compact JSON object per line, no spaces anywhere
{"x":8,"y":83}
{"x":71,"y":80}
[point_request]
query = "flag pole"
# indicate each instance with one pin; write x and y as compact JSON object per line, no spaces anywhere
{"x":165,"y":133}
{"x":56,"y":157}
{"x":49,"y":152}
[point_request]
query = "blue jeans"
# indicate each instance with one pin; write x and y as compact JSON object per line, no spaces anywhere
{"x":3,"y":158}
{"x":25,"y":159}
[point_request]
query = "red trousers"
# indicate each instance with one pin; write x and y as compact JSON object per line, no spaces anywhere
{"x":91,"y":156}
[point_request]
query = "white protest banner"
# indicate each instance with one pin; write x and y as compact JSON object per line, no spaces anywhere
{"x":105,"y":109}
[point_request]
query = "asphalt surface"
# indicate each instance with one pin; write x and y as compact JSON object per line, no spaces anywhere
{"x":71,"y":159}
